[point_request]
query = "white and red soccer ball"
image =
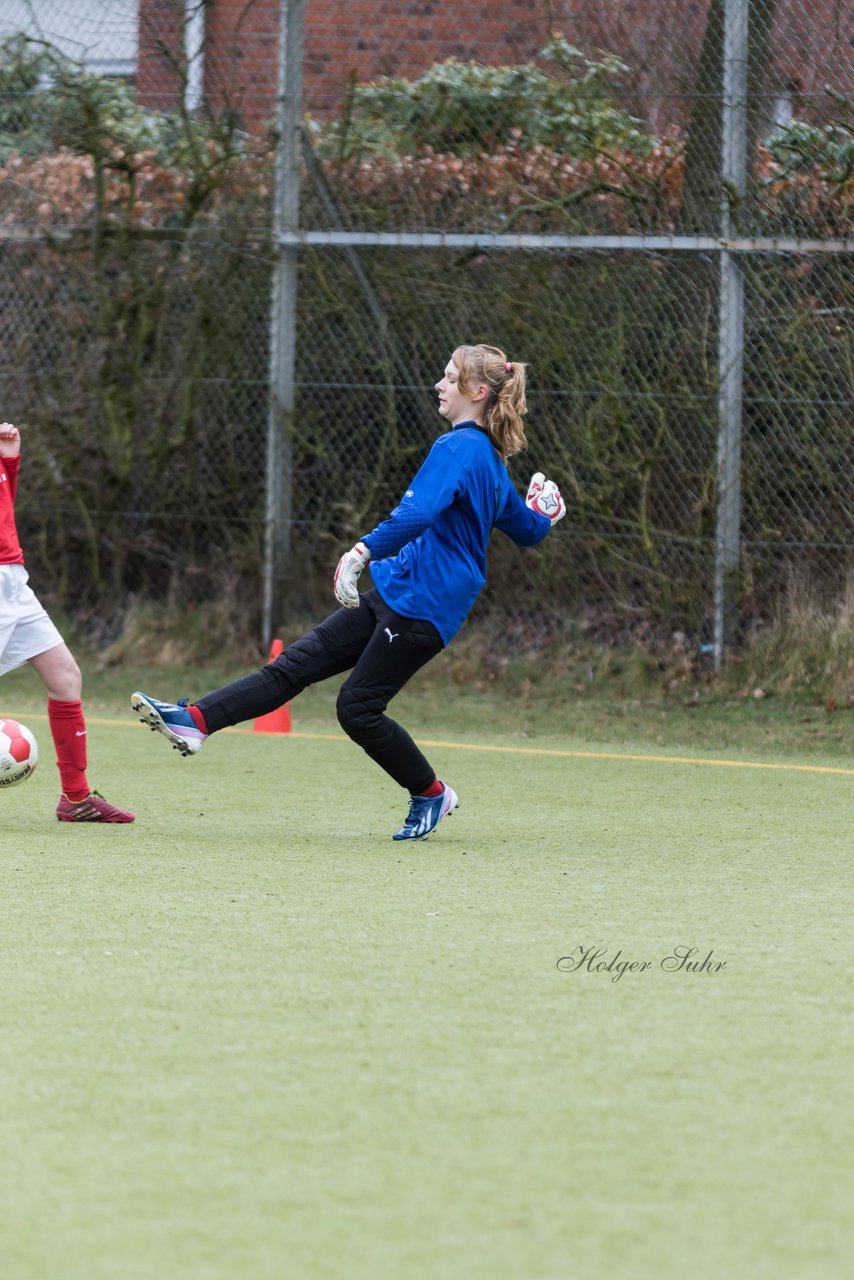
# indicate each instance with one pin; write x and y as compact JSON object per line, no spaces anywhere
{"x":19,"y":753}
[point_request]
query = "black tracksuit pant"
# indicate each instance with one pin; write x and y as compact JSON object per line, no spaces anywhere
{"x":383,"y":649}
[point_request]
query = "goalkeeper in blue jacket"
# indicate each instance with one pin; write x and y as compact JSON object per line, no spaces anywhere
{"x":428,"y":564}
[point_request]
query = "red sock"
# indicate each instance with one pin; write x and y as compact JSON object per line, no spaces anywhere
{"x":68,"y":729}
{"x":434,"y":790}
{"x":198,"y":719}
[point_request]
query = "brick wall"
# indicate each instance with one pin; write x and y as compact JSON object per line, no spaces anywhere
{"x":367,"y":38}
{"x":403,"y":37}
{"x":241,"y":51}
{"x":659,"y":39}
{"x":160,"y":35}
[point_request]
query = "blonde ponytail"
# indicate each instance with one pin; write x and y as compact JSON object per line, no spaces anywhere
{"x":505,"y":405}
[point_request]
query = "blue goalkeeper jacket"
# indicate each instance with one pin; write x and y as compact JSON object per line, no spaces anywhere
{"x":428,"y":559}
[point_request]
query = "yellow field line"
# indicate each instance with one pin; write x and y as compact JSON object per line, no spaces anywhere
{"x":600,"y":755}
{"x":541,"y":751}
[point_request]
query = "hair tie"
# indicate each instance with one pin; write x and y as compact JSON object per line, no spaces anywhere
{"x":508,"y":368}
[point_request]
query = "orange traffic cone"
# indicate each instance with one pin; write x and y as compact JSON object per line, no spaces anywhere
{"x":278,"y":721}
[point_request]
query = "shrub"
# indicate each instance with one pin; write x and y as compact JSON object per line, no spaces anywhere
{"x":463,"y":108}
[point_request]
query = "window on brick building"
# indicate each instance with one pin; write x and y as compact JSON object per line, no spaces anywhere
{"x":783,"y":111}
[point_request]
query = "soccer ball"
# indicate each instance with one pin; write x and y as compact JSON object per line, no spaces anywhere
{"x":19,"y":753}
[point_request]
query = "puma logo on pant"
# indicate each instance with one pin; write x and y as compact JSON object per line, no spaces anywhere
{"x":391,"y":635}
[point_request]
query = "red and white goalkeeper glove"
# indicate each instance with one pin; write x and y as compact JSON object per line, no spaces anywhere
{"x":544,"y":498}
{"x":346,"y":584}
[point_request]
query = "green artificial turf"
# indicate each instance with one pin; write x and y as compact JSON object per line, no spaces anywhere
{"x":251,"y":1037}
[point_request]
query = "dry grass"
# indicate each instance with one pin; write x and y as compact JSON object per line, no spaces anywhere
{"x":807,"y":648}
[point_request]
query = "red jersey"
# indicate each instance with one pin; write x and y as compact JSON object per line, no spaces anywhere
{"x":10,"y":547}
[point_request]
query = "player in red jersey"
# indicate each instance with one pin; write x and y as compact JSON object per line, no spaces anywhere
{"x":28,"y":635}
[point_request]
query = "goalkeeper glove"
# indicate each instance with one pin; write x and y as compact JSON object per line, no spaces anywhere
{"x":346,"y":584}
{"x":544,"y":498}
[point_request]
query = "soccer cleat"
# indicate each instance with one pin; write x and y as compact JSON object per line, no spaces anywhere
{"x":425,"y":814}
{"x":93,"y":809}
{"x":171,"y":719}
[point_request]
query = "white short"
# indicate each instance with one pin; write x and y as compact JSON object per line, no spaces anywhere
{"x":25,"y":629}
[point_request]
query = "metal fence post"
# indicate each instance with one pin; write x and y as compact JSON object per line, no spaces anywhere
{"x":730,"y":324}
{"x":283,"y":307}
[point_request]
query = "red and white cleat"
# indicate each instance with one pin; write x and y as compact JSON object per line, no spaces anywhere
{"x":93,"y":809}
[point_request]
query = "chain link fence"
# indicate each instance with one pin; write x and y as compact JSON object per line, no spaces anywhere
{"x":564,"y":180}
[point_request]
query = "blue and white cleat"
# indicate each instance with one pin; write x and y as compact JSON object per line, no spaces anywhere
{"x":172,"y":719}
{"x":425,"y":814}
